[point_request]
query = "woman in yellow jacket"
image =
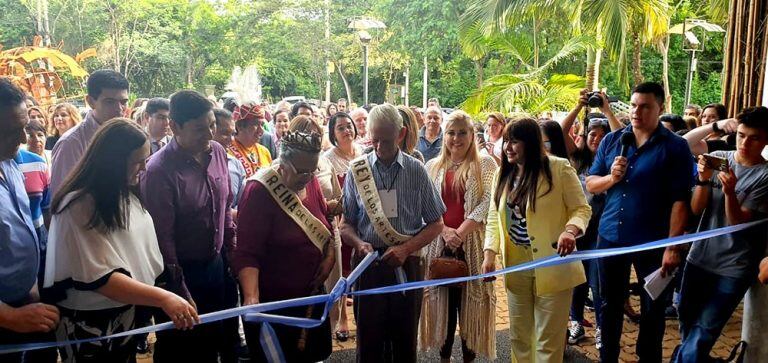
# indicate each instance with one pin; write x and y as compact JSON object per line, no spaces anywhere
{"x":538,"y":209}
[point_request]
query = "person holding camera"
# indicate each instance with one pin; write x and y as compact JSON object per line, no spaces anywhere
{"x":732,"y":188}
{"x":639,"y":209}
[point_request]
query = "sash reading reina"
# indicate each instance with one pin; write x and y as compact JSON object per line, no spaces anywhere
{"x":290,"y":203}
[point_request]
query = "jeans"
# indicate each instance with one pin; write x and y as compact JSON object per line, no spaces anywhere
{"x":580,"y":293}
{"x":707,"y":301}
{"x":614,"y":282}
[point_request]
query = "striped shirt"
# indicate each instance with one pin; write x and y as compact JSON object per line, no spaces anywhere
{"x":418,"y":200}
{"x":517,"y":227}
{"x":37,"y":181}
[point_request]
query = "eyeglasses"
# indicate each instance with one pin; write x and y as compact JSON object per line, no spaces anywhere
{"x":303,"y":173}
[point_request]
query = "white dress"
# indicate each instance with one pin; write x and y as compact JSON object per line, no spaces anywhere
{"x":86,"y":255}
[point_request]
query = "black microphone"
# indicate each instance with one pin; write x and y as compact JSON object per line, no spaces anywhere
{"x":627,"y":139}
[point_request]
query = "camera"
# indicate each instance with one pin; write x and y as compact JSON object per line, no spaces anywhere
{"x":595,"y":101}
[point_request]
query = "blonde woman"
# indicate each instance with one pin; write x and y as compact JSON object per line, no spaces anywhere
{"x":537,"y":199}
{"x":408,"y":145}
{"x":464,"y":178}
{"x":65,"y":116}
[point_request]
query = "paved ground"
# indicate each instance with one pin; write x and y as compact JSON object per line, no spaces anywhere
{"x":583,"y":352}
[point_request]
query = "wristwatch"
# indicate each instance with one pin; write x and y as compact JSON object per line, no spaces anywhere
{"x":715,"y":128}
{"x":703,"y":183}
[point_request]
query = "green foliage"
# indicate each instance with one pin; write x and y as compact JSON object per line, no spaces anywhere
{"x":503,"y":52}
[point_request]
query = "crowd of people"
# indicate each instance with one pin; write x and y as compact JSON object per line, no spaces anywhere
{"x":177,"y":207}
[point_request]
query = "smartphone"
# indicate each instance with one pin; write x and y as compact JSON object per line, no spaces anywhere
{"x":480,"y":135}
{"x":716,"y":162}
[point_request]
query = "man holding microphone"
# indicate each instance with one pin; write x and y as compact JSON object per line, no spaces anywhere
{"x":646,"y":171}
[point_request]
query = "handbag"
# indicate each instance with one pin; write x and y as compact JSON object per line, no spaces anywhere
{"x":449,"y":265}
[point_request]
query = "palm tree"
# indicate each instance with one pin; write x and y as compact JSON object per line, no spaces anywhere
{"x":531,"y":89}
{"x":607,"y":21}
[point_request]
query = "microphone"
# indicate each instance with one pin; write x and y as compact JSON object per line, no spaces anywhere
{"x":627,"y":139}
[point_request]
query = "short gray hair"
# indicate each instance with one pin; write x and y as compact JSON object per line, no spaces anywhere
{"x":385,"y":113}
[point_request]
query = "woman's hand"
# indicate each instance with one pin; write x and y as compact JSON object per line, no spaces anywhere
{"x":489,"y":265}
{"x":322,"y":273}
{"x":451,"y":238}
{"x":181,"y":312}
{"x":566,"y":243}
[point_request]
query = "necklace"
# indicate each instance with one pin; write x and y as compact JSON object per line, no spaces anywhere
{"x":344,"y":155}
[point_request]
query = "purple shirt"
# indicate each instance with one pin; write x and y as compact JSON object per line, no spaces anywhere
{"x":189,"y":204}
{"x":69,"y":149}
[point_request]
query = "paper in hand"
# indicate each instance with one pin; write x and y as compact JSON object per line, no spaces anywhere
{"x":655,"y":284}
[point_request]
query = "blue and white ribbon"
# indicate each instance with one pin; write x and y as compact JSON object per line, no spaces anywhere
{"x":256,"y":313}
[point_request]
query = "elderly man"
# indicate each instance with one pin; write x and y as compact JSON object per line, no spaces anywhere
{"x":393,"y":189}
{"x":22,"y":317}
{"x":360,"y":118}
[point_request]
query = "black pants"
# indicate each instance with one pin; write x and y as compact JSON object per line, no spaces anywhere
{"x":34,"y":356}
{"x":387,"y":324}
{"x":204,"y":343}
{"x":614,"y":283}
{"x":454,"y":309}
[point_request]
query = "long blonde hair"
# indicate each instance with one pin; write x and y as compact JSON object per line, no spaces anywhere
{"x":470,"y":165}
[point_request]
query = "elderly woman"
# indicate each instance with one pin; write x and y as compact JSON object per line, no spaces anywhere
{"x":103,"y":250}
{"x":285,"y":247}
{"x":465,"y":180}
{"x":537,"y":200}
{"x":65,"y":116}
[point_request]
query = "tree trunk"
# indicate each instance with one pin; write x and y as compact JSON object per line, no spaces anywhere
{"x":637,"y":72}
{"x":665,"y":74}
{"x":593,"y":68}
{"x":346,"y":83}
{"x":480,"y":66}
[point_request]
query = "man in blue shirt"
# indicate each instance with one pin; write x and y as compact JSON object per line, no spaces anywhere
{"x":431,"y":135}
{"x":647,"y":194}
{"x":20,"y":313}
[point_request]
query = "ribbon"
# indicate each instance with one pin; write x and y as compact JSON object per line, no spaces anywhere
{"x":256,"y":312}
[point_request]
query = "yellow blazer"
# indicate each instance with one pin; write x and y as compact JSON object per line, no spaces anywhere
{"x":564,"y":204}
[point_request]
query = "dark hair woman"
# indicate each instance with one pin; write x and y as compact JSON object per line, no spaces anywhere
{"x":103,"y":250}
{"x":537,"y":200}
{"x":553,"y":139}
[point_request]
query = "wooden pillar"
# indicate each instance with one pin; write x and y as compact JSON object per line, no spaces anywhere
{"x":746,"y":48}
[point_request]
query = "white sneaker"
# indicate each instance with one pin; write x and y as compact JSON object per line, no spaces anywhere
{"x":598,"y":339}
